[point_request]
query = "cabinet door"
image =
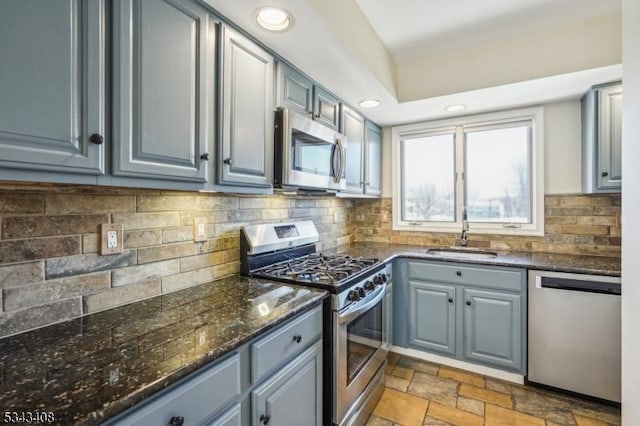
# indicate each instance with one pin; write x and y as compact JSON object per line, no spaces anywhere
{"x":373,"y":160}
{"x":353,"y":128}
{"x":610,"y":137}
{"x":163,"y":94}
{"x":326,"y":108}
{"x":432,"y":317}
{"x":293,"y":396}
{"x":246,"y":149}
{"x":52,"y":79}
{"x":492,"y":323}
{"x":231,"y":417}
{"x":295,"y":90}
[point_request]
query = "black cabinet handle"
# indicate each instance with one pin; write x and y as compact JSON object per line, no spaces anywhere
{"x":96,"y":138}
{"x":264,"y":419}
{"x":605,"y":174}
{"x":227,"y":161}
{"x":297,"y":338}
{"x":176,"y":421}
{"x":205,"y":156}
{"x":468,"y":302}
{"x":459,"y":273}
{"x":451,"y":300}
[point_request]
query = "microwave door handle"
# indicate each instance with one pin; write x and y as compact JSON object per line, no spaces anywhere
{"x":352,"y":313}
{"x":333,"y":163}
{"x":342,"y":159}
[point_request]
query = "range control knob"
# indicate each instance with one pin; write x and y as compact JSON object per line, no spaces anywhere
{"x":361,"y":292}
{"x":384,"y":278}
{"x":353,"y":295}
{"x":369,"y":285}
{"x":377,"y":280}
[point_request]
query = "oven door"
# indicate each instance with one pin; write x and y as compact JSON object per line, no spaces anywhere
{"x":360,"y":349}
{"x":313,"y":155}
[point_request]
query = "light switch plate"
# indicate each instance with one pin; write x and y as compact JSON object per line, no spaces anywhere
{"x":111,"y":241}
{"x":199,"y":229}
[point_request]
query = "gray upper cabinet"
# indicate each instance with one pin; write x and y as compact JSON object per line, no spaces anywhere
{"x":353,"y":129}
{"x":52,"y":82}
{"x":373,"y":160}
{"x":492,"y":328}
{"x":432,"y":314}
{"x":163,"y":89}
{"x":297,"y":92}
{"x":602,"y":139}
{"x":245,"y":152}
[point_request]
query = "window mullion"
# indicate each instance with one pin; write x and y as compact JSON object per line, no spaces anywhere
{"x":460,"y":186}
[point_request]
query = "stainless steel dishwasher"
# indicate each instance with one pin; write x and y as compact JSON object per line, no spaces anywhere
{"x":574,"y":333}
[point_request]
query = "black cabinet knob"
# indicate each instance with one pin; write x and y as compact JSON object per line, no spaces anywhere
{"x":459,"y":273}
{"x":176,"y":421}
{"x":264,"y":419}
{"x":297,"y":338}
{"x":451,"y":300}
{"x":96,"y":138}
{"x":227,"y":161}
{"x":605,"y":174}
{"x":205,"y":156}
{"x":468,"y":302}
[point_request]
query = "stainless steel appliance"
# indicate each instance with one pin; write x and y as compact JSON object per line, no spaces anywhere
{"x":574,"y":333}
{"x":357,"y":338}
{"x":308,"y":155}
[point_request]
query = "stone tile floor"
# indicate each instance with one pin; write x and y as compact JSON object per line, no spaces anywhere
{"x":421,"y":393}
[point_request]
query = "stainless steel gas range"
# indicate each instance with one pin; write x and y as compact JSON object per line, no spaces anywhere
{"x":357,"y":332}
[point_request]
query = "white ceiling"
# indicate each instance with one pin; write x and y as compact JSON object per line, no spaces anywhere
{"x":314,"y":46}
{"x":411,"y":29}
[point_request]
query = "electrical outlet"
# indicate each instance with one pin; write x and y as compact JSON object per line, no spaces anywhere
{"x":114,"y":376}
{"x":202,"y":337}
{"x":199,"y":228}
{"x":111,"y":241}
{"x":384,"y":217}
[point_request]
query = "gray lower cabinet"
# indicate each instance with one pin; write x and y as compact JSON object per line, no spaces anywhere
{"x":293,"y":396}
{"x":353,"y":129}
{"x":245,"y":151}
{"x":300,"y":93}
{"x":492,"y":327}
{"x":163,"y":89}
{"x":602,"y":139}
{"x":231,"y":417}
{"x":52,"y":86}
{"x":433,"y":314}
{"x":474,"y":313}
{"x":373,"y":160}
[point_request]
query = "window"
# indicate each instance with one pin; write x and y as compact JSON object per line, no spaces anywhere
{"x":488,"y":165}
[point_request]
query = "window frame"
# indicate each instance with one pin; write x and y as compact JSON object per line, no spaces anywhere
{"x":458,"y":124}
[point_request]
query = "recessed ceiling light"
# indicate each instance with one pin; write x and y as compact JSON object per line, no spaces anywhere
{"x":369,"y":103}
{"x":273,"y":18}
{"x":455,"y":108}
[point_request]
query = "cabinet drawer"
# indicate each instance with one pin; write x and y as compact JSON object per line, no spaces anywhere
{"x":196,"y":399}
{"x":283,"y":344}
{"x":503,"y":279}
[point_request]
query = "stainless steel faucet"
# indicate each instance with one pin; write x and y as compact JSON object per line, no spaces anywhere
{"x":465,"y":228}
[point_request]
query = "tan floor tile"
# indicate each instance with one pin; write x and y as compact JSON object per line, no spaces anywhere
{"x":434,"y":388}
{"x":404,"y":373}
{"x":498,"y":416}
{"x":396,"y":383}
{"x":471,"y":405}
{"x":606,"y":414}
{"x":399,"y":407}
{"x":492,"y":397}
{"x":497,"y":385}
{"x":419,"y":365}
{"x":392,"y":358}
{"x":461,"y":376}
{"x":430,"y":421}
{"x":542,"y":404}
{"x":378,"y":421}
{"x":453,"y":415}
{"x":588,"y":421}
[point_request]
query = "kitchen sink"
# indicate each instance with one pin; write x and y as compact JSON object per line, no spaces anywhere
{"x":462,"y":253}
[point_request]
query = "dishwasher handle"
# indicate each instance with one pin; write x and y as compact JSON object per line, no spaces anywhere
{"x":586,"y":286}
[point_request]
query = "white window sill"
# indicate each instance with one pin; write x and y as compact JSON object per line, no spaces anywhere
{"x":457,"y":229}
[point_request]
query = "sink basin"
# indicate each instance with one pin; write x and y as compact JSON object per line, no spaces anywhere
{"x":462,"y":253}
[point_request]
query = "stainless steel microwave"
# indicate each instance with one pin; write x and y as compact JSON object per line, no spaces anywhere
{"x":308,"y":155}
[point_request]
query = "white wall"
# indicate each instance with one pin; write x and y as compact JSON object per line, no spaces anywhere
{"x":630,"y":209}
{"x":562,"y":150}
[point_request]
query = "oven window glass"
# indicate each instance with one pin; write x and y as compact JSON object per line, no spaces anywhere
{"x":310,"y":154}
{"x":364,"y":338}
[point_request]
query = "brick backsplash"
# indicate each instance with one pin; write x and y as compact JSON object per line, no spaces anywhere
{"x":50,"y":269}
{"x":574,"y":224}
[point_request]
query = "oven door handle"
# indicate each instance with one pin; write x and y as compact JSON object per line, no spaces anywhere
{"x":352,"y":313}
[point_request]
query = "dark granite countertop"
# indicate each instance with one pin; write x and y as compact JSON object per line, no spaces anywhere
{"x":89,"y":369}
{"x":596,"y":265}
